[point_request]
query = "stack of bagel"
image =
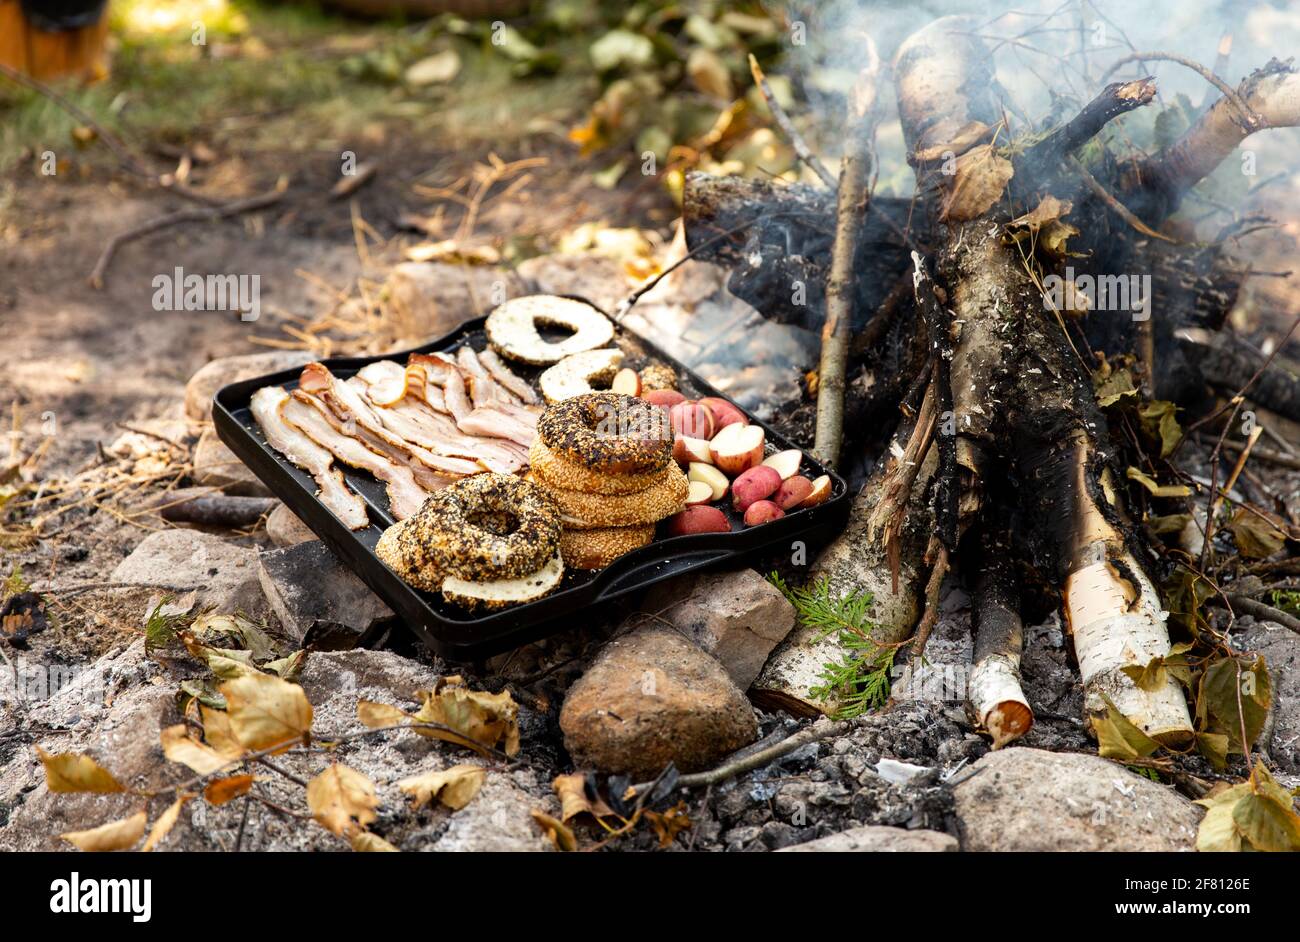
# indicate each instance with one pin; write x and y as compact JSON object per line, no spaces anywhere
{"x":605,"y":459}
{"x":486,"y":542}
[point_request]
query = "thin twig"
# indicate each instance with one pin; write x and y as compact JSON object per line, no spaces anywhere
{"x":822,"y":729}
{"x":791,"y":133}
{"x":1119,"y":208}
{"x":1252,"y":120}
{"x":221,"y":211}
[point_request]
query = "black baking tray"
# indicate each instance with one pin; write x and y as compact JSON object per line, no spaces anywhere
{"x":459,"y":635}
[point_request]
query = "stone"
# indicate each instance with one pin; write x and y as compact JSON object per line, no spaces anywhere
{"x":599,"y":279}
{"x":215,"y":465}
{"x":306,"y":584}
{"x":1280,"y":648}
{"x":429,"y":299}
{"x":738,"y":617}
{"x":652,"y":697}
{"x":223,"y":573}
{"x":877,"y":838}
{"x":109,"y":711}
{"x":210,"y":378}
{"x":285,"y":529}
{"x":1021,"y":799}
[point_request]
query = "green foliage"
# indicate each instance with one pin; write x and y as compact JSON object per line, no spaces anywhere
{"x":1287,"y":600}
{"x":859,"y":681}
{"x":160,"y":629}
{"x":14,"y":584}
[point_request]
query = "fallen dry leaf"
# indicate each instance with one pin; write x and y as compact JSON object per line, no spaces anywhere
{"x":977,"y":185}
{"x":166,"y":821}
{"x":572,"y":791}
{"x":454,"y":787}
{"x":557,"y":832}
{"x":266,"y":711}
{"x":341,"y":799}
{"x":227,"y":789}
{"x":484,"y":719}
{"x":179,"y":747}
{"x":217,"y":731}
{"x":365,"y":842}
{"x":73,"y":772}
{"x":116,"y":835}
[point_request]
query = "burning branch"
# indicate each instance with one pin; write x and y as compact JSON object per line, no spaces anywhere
{"x":1268,"y":98}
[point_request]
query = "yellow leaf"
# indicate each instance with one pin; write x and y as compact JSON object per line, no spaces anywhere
{"x":341,"y":798}
{"x":980,"y":177}
{"x":480,"y":718}
{"x":73,"y":772}
{"x":1218,"y":832}
{"x":217,"y":731}
{"x":116,"y":835}
{"x":557,"y":831}
{"x":379,"y":715}
{"x":266,"y":711}
{"x":365,"y":842}
{"x":179,"y":747}
{"x":454,"y":787}
{"x":572,"y":791}
{"x":1117,"y":736}
{"x":162,"y":827}
{"x":1157,"y":490}
{"x":670,"y":823}
{"x":1048,"y":210}
{"x":227,"y":789}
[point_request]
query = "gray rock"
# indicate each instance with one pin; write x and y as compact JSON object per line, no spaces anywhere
{"x":215,"y":465}
{"x":1281,"y":651}
{"x":111,"y":712}
{"x":877,"y":838}
{"x":652,"y":697}
{"x":285,"y":529}
{"x":738,"y":617}
{"x":223,"y":573}
{"x":1026,"y":799}
{"x":306,"y":584}
{"x":598,"y":278}
{"x":429,"y":299}
{"x":205,"y":384}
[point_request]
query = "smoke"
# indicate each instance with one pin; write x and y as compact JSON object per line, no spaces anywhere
{"x":1049,"y":55}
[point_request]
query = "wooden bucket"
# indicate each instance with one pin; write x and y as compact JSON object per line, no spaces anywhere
{"x":75,"y":53}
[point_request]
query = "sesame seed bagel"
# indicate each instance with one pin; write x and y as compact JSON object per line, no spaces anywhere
{"x":512,"y":328}
{"x":608,"y":432}
{"x":596,"y":549}
{"x":492,"y":594}
{"x":483,"y":527}
{"x":658,"y":376}
{"x":552,"y":470}
{"x":582,"y":511}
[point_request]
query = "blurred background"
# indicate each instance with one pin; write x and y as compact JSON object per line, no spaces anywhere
{"x":406,"y":159}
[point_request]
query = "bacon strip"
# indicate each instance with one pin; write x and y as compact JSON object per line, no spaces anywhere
{"x":506,"y":377}
{"x":291,"y":442}
{"x":483,"y":389}
{"x":405,"y":496}
{"x":358,"y":418}
{"x":492,"y":421}
{"x":441,"y":371}
{"x":417,"y":423}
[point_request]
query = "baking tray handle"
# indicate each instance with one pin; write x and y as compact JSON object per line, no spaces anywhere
{"x":660,"y":569}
